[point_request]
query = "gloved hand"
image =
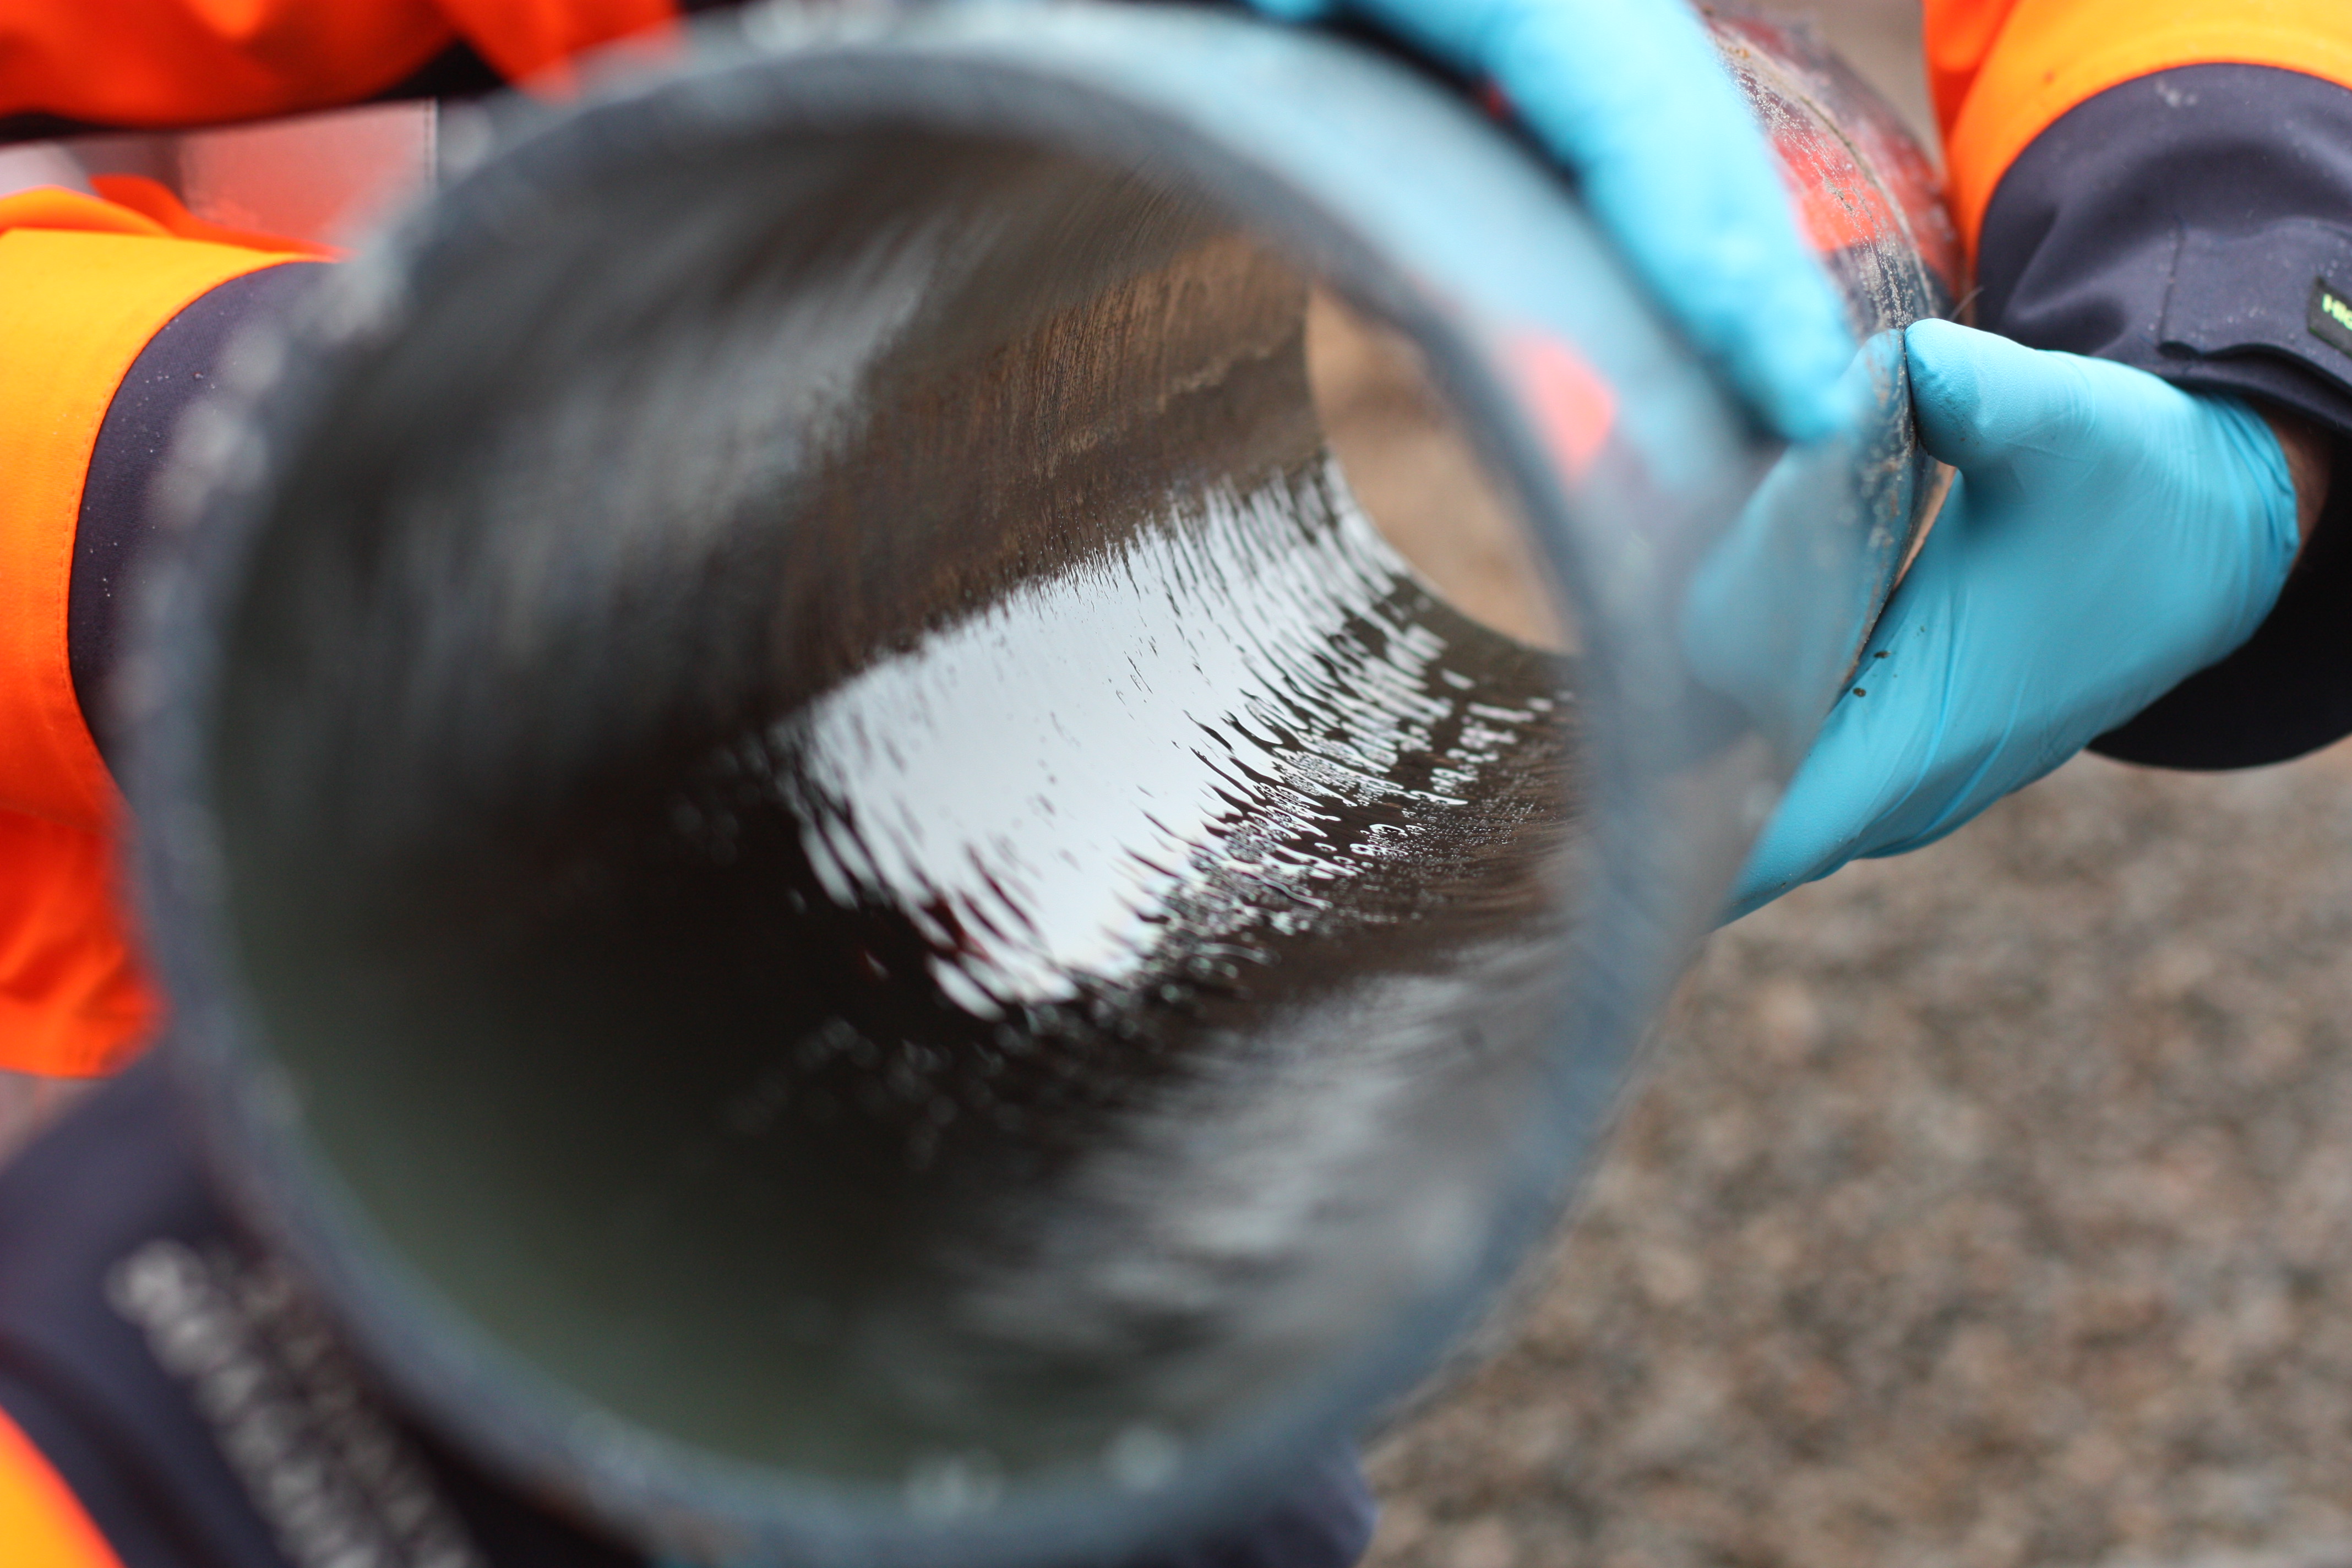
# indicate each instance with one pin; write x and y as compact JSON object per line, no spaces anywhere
{"x":1630,"y":95}
{"x":2108,"y":535}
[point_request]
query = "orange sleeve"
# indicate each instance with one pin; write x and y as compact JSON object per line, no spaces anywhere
{"x":43,"y":1524}
{"x":75,"y":1001}
{"x":84,"y":284}
{"x":184,"y":62}
{"x":2001,"y":71}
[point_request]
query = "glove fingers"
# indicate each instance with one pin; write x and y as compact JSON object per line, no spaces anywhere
{"x":1631,"y":94}
{"x":1672,"y":165}
{"x":1724,"y":256}
{"x":2110,"y":534}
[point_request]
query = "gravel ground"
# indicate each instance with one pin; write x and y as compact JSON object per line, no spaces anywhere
{"x":1984,"y":1208}
{"x":1991,"y":1206}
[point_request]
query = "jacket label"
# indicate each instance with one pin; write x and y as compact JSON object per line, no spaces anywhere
{"x":335,"y":1481}
{"x":2331,"y":316}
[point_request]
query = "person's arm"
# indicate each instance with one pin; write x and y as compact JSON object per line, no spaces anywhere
{"x":2144,"y":549}
{"x":115,"y":311}
{"x":2169,"y":195}
{"x":113,"y":323}
{"x":2191,"y":222}
{"x":158,"y":63}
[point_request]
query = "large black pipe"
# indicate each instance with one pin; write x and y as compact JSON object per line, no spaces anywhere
{"x":809,"y":854}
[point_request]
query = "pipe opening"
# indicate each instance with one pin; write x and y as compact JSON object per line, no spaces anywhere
{"x":850,"y":842}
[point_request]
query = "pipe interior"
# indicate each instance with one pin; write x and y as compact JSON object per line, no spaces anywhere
{"x":850,"y":842}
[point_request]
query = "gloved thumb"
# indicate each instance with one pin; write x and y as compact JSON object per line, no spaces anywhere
{"x":1997,"y":410}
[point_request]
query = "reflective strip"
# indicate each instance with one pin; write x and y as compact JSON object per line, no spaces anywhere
{"x":42,"y":1524}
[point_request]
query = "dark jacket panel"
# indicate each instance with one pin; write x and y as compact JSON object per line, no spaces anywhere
{"x":2193,"y":224}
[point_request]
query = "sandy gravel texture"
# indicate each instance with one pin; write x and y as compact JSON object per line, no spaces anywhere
{"x":1991,"y":1206}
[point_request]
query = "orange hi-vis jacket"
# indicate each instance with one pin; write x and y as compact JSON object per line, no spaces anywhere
{"x":2001,"y":71}
{"x":85,"y":283}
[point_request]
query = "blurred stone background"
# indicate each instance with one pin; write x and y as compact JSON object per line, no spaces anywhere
{"x":1984,"y":1208}
{"x":1987,"y":1208}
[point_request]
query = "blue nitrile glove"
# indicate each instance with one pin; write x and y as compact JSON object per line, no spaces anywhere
{"x":2108,"y":535}
{"x":1630,"y":95}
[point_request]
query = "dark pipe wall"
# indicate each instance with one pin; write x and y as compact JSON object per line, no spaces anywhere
{"x":878,"y":877}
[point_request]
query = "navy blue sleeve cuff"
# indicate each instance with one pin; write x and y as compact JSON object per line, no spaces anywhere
{"x":179,"y":367}
{"x":2188,"y":223}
